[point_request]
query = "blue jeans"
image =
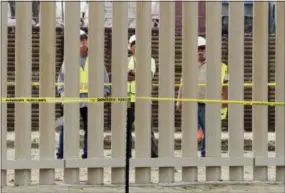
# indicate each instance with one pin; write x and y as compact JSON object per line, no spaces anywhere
{"x":84,"y":115}
{"x":201,"y":124}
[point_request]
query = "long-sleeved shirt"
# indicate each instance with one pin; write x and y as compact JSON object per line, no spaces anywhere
{"x":60,"y":88}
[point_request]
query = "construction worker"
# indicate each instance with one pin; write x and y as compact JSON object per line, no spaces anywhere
{"x":202,"y":92}
{"x":83,"y":91}
{"x":132,"y":95}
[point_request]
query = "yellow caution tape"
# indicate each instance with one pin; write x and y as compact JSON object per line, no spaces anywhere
{"x":64,"y":100}
{"x":241,"y":102}
{"x":246,"y":84}
{"x":122,"y":99}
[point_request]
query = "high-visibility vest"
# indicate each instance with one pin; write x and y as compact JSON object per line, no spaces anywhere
{"x":132,"y":84}
{"x":84,"y":78}
{"x":224,"y":76}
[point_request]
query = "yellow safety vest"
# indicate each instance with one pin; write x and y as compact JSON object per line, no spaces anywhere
{"x":224,"y":74}
{"x":84,"y":78}
{"x":132,"y":84}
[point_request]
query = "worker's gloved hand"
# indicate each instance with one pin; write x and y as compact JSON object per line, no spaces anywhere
{"x":132,"y":72}
{"x":224,"y":105}
{"x":178,"y":106}
{"x":131,"y":75}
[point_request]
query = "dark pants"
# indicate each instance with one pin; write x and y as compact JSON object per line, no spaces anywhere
{"x":84,"y":115}
{"x":201,"y":123}
{"x":130,"y":121}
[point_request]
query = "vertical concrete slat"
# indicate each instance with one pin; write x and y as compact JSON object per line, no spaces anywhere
{"x":143,"y":89}
{"x":260,"y":89}
{"x":190,"y":87}
{"x":96,"y":89}
{"x":213,"y":88}
{"x":279,"y":89}
{"x":71,"y":87}
{"x":23,"y":88}
{"x":47,"y":88}
{"x":119,"y":85}
{"x":166,"y":84}
{"x":3,"y":74}
{"x":236,"y":89}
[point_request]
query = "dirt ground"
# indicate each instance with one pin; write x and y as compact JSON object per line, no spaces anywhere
{"x":207,"y":188}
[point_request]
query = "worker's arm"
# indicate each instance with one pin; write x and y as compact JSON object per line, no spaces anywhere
{"x":153,"y":68}
{"x":60,"y":79}
{"x":107,"y":89}
{"x":179,"y":96}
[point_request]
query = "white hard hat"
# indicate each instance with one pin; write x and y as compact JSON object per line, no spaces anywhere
{"x":131,"y":40}
{"x":201,"y":41}
{"x":83,"y":33}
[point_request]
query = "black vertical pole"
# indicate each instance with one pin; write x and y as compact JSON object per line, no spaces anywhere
{"x":127,"y":157}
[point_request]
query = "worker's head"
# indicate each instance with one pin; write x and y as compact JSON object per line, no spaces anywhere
{"x":201,"y":49}
{"x":83,"y":42}
{"x":132,"y":44}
